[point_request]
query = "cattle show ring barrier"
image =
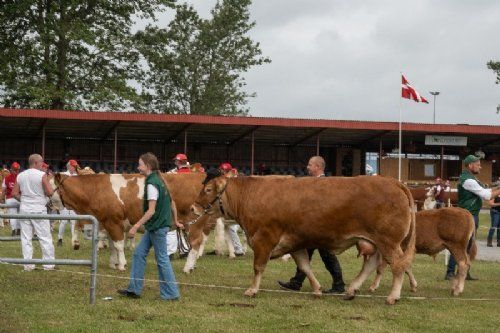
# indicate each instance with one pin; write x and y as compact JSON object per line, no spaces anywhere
{"x":92,"y":262}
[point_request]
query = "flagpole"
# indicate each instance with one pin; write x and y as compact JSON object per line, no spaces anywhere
{"x":400,"y":135}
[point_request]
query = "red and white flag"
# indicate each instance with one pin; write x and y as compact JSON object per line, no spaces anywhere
{"x":407,"y":91}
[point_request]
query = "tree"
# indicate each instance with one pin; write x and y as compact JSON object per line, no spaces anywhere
{"x":495,"y":66}
{"x":69,"y":54}
{"x":195,"y":66}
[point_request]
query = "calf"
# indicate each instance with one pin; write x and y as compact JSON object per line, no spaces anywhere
{"x":439,"y":229}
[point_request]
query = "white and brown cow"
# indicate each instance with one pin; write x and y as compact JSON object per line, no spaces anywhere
{"x":117,"y":200}
{"x":289,"y":215}
{"x":447,"y":228}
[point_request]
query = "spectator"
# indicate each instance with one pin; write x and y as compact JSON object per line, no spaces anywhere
{"x":7,"y":187}
{"x":32,"y":189}
{"x":316,"y":168}
{"x":227,"y":170}
{"x":438,"y":189}
{"x":157,"y":219}
{"x":471,"y":194}
{"x":181,"y":164}
{"x":71,"y":170}
{"x":495,"y":221}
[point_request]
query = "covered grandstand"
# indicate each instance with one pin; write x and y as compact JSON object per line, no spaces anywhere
{"x":112,"y":141}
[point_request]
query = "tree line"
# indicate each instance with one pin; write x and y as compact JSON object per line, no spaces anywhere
{"x":83,"y":55}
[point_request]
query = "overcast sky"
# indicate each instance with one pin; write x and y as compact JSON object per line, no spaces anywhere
{"x":342,"y":59}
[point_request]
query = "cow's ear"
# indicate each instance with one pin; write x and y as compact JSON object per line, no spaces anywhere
{"x":220,"y":183}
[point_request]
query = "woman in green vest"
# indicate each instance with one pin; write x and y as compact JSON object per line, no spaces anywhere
{"x":157,"y":219}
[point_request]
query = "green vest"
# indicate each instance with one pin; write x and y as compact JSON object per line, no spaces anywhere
{"x":467,"y":199}
{"x":163,"y":214}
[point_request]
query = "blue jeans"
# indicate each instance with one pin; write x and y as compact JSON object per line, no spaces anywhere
{"x":168,"y":285}
{"x":495,"y":225}
{"x":453,"y":263}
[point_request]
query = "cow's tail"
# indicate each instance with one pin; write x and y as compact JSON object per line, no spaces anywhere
{"x":471,"y":246}
{"x":408,"y":243}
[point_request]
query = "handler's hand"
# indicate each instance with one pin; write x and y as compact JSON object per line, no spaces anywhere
{"x":133,"y":231}
{"x":179,"y":225}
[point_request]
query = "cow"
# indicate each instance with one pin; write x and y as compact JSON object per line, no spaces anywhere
{"x":289,"y":215}
{"x":117,"y":200}
{"x":420,"y":194}
{"x":447,"y":228}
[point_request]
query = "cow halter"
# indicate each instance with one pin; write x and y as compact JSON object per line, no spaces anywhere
{"x":209,"y":206}
{"x":58,"y":190}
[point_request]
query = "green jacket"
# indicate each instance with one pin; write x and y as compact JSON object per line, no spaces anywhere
{"x":163,"y":214}
{"x":467,"y":199}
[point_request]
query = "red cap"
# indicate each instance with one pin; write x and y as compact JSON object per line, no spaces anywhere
{"x":180,"y":157}
{"x":225,"y":166}
{"x":73,"y":163}
{"x":15,"y":166}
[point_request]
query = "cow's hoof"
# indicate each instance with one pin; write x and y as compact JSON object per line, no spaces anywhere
{"x":348,"y":296}
{"x":455,"y":292}
{"x":187,"y":271}
{"x":391,"y":301}
{"x":76,"y":247}
{"x":372,"y":289}
{"x":413,"y":289}
{"x":250,"y":292}
{"x":317,"y":294}
{"x":122,"y":269}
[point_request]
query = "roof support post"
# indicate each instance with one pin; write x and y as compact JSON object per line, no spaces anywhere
{"x":380,"y":151}
{"x":317,"y":144}
{"x":43,"y":141}
{"x":115,"y":151}
{"x":253,"y":154}
{"x":442,"y":162}
{"x":185,"y":142}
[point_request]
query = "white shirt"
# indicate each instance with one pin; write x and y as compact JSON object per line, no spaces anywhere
{"x":473,"y":186}
{"x":33,"y":196}
{"x":152,"y":192}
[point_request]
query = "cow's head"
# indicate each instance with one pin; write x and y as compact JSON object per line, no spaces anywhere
{"x":208,"y":201}
{"x":55,"y":200}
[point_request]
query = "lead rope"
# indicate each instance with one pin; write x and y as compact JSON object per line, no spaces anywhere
{"x":182,"y":242}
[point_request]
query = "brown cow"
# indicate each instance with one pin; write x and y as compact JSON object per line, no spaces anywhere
{"x":116,"y":200}
{"x":419,"y":195}
{"x":282,"y":216}
{"x":439,"y":229}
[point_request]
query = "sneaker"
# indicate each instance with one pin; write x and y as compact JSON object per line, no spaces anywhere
{"x":59,"y":242}
{"x":335,"y":290}
{"x":289,"y":286}
{"x":125,"y":292}
{"x":489,"y":243}
{"x":449,"y":276}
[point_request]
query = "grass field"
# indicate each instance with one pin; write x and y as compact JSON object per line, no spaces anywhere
{"x":57,"y":301}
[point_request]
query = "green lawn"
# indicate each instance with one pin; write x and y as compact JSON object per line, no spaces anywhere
{"x":57,"y":301}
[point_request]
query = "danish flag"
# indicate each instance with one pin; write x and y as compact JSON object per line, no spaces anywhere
{"x":407,"y":91}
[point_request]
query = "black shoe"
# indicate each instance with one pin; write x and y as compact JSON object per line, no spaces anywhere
{"x":59,"y":242}
{"x":35,"y":237}
{"x":183,"y":255}
{"x":211,"y":253}
{"x":13,"y":233}
{"x":289,"y":286}
{"x":171,"y":257}
{"x":489,"y":243}
{"x":470,"y":278}
{"x":449,"y":276}
{"x":125,"y":292}
{"x":335,"y":290}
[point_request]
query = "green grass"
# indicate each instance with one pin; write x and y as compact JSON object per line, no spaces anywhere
{"x":57,"y":301}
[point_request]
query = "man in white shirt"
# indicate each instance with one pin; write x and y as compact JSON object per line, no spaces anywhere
{"x":70,"y":171}
{"x":32,"y":189}
{"x":471,"y":194}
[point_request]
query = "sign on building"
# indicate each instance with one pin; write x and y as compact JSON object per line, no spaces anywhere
{"x":439,"y":140}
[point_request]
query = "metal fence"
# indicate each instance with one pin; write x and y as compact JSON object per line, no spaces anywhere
{"x":92,"y":262}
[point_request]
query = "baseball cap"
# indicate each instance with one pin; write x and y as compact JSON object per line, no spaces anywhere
{"x":15,"y":166}
{"x":180,"y":157}
{"x":225,"y":166}
{"x":471,"y":159}
{"x":73,"y":163}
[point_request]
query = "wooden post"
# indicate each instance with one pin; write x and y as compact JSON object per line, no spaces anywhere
{"x":43,"y":141}
{"x":442,"y":160}
{"x":115,"y":151}
{"x":253,"y":154}
{"x":317,"y":145}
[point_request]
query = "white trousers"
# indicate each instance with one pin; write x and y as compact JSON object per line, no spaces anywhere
{"x":14,"y":223}
{"x":235,"y":239}
{"x":42,"y":229}
{"x":62,"y":224}
{"x":172,"y":242}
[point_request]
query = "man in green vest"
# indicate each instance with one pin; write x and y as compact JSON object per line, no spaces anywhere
{"x":471,"y":194}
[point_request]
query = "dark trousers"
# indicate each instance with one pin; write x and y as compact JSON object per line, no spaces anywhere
{"x":331,"y":264}
{"x":452,"y":263}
